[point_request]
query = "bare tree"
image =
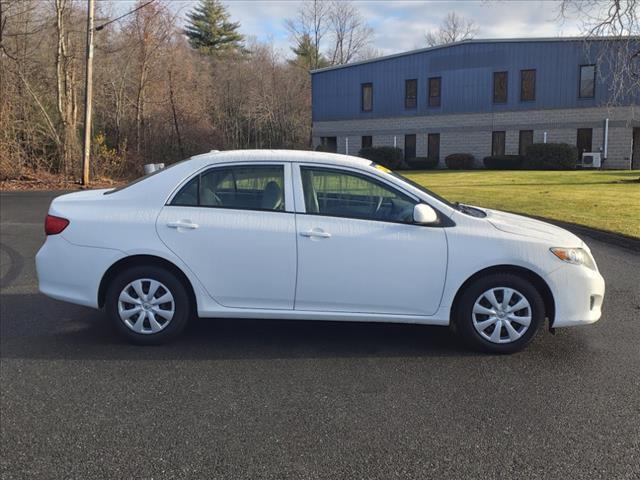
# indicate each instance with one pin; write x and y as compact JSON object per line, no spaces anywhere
{"x":66,"y":84}
{"x":329,"y":33}
{"x":615,"y":24}
{"x":156,"y":99}
{"x":454,"y":28}
{"x":349,"y":32}
{"x":311,"y":21}
{"x":28,"y":128}
{"x":369,"y":52}
{"x":151,"y":27}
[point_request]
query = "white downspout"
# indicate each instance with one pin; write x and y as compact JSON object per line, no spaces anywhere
{"x":606,"y":139}
{"x":346,"y":145}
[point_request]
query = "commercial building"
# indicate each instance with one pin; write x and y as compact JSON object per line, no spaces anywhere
{"x":482,"y":97}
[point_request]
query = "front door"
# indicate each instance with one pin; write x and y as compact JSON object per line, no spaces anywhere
{"x":635,"y":157}
{"x":584,"y":141}
{"x":234,"y":227}
{"x":358,"y":250}
{"x":409,"y":147}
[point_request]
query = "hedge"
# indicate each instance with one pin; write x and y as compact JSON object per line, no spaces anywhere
{"x":422,"y":163}
{"x":460,"y":161}
{"x":390,"y":157}
{"x":503,"y":162}
{"x":551,"y":156}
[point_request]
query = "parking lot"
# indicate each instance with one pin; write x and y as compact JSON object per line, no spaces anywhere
{"x":253,"y":399}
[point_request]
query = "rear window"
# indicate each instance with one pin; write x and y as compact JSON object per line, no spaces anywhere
{"x":144,"y":177}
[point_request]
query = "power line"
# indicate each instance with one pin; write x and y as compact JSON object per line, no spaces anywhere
{"x":100,"y":27}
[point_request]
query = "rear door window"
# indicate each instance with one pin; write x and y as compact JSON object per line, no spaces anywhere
{"x":250,"y":187}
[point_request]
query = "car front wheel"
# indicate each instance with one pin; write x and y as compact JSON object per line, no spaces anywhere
{"x":147,"y":305}
{"x":499,"y":313}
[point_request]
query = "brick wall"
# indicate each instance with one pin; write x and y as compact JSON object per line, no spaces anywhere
{"x":471,"y":133}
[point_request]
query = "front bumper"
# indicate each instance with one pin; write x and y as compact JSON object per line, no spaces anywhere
{"x":72,"y":273}
{"x":578,"y":292}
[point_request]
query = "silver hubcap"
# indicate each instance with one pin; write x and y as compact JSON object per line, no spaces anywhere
{"x":146,"y":306}
{"x":501,"y":315}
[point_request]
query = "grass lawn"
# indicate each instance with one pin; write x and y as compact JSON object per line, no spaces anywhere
{"x":607,"y":200}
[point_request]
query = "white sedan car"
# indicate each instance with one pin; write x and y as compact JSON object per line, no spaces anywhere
{"x":310,"y":236}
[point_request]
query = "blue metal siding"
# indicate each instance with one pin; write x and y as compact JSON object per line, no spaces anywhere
{"x":467,"y":80}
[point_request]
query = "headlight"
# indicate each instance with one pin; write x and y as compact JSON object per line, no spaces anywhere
{"x":576,"y":256}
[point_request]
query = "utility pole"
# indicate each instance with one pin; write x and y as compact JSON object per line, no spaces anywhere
{"x":88,"y":96}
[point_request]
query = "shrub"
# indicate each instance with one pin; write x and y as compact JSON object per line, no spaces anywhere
{"x":422,"y":163}
{"x":390,"y":157}
{"x":503,"y":162}
{"x":460,"y":161}
{"x":551,"y":156}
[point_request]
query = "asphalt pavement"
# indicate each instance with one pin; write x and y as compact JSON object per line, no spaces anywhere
{"x":251,"y":399}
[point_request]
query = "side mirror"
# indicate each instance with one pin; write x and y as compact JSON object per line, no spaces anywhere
{"x":423,"y":214}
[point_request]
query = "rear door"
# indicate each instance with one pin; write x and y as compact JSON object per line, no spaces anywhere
{"x":358,"y":250}
{"x":234,"y":226}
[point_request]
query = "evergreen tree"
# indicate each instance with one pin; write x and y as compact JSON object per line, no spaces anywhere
{"x":307,"y":56}
{"x":210,"y":31}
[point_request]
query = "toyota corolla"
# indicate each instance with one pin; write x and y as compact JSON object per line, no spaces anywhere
{"x":310,"y":236}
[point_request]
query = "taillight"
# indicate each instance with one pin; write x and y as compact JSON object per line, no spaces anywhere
{"x":54,"y":225}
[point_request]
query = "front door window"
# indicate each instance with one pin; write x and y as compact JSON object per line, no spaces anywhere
{"x":339,"y":193}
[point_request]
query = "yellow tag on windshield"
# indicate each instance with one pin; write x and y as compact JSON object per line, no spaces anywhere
{"x":383,"y":169}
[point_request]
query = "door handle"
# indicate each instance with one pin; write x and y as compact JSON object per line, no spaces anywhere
{"x":315,"y":233}
{"x":183,"y":224}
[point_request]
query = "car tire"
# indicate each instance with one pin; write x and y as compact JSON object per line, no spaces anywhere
{"x":481,"y":310}
{"x":143,"y":316}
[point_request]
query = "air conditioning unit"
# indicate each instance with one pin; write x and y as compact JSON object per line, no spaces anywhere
{"x":591,"y":160}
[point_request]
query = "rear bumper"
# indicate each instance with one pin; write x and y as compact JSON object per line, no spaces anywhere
{"x":72,"y":273}
{"x":578,"y":293}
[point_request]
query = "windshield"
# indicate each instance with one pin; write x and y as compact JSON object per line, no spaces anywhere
{"x":414,"y":184}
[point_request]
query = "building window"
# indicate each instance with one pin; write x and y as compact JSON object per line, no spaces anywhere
{"x":433,"y":146}
{"x":409,"y":147}
{"x":367,"y":97}
{"x":587,"y":81}
{"x":527,"y":85}
{"x":434,"y":91}
{"x":500,"y":80}
{"x":329,"y":144}
{"x":367,"y":141}
{"x":497,"y":143}
{"x":584,"y":141}
{"x":410,"y":93}
{"x":526,"y":140}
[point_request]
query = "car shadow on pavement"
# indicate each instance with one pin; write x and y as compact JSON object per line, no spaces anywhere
{"x":35,"y":327}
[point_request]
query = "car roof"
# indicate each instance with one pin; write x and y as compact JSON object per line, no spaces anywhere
{"x":299,"y":156}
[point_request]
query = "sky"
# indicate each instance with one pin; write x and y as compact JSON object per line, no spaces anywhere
{"x":400,"y":25}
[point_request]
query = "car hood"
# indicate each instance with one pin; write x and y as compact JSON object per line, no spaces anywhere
{"x":528,"y":227}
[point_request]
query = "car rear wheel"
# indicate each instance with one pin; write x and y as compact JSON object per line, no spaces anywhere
{"x":499,"y":313}
{"x":148,"y":305}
